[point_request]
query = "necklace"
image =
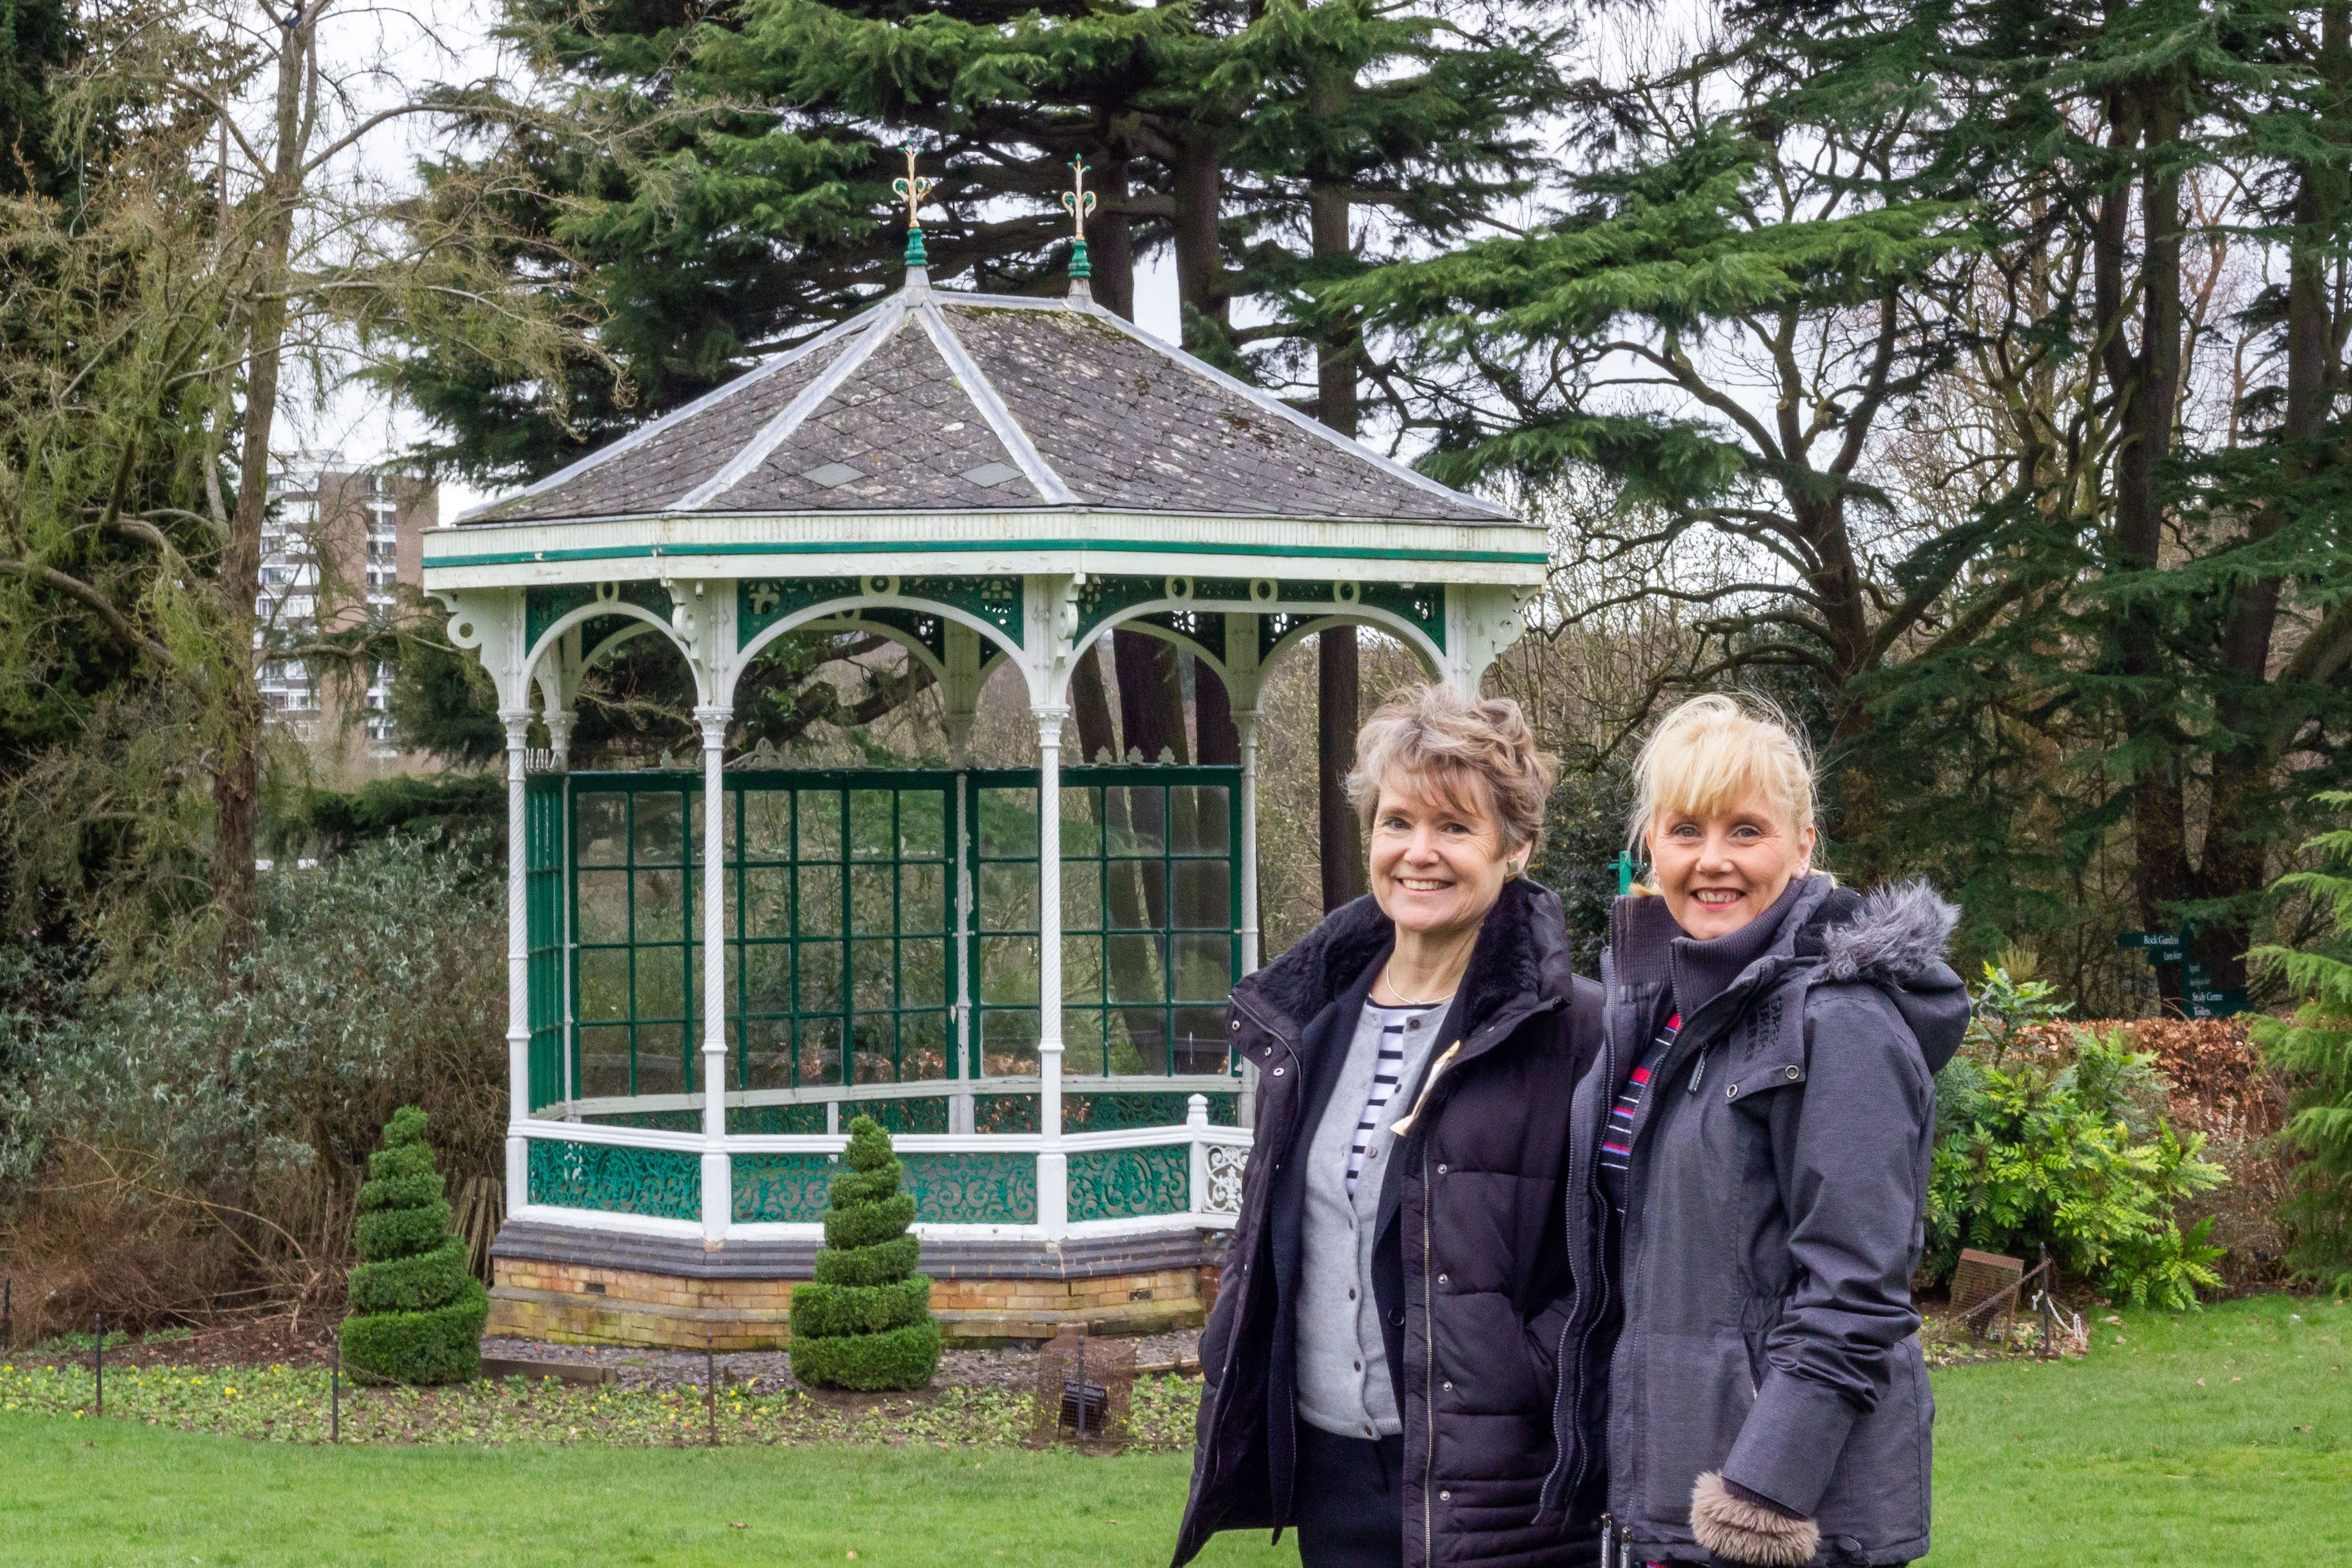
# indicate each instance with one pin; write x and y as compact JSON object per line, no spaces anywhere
{"x":1406,"y":1001}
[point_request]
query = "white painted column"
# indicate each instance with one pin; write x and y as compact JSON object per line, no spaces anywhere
{"x":517,"y":725}
{"x":1196,"y":1121}
{"x":1053,"y":1164}
{"x":717,"y":1183}
{"x":961,"y":1108}
{"x":959,"y":688}
{"x":559,"y":737}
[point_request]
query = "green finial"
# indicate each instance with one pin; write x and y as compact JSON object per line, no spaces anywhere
{"x":914,"y":187}
{"x":1079,"y":202}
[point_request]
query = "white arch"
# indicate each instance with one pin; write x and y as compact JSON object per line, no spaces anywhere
{"x":1416,"y":641}
{"x":830,"y":609}
{"x":553,"y":636}
{"x":1431,"y":657}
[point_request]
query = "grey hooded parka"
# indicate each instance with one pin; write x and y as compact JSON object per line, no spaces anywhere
{"x":1754,"y":1319}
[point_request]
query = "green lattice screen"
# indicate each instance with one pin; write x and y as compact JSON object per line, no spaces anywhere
{"x":543,"y":911}
{"x":1151,"y":918}
{"x":839,"y":911}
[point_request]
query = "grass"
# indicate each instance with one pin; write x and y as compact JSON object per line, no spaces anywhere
{"x":2125,"y":1459}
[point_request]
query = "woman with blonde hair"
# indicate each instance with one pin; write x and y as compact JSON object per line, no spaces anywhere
{"x":1749,"y":1168}
{"x":1380,"y":1363}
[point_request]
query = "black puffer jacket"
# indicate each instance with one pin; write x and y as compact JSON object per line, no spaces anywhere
{"x":1472,"y":1272}
{"x":1773,"y":1215}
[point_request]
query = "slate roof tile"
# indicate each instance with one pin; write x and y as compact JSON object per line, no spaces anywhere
{"x":1122,"y":424}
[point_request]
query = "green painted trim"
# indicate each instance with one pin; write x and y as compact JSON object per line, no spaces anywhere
{"x":950,"y":546}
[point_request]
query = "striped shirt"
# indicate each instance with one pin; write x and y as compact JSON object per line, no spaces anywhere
{"x":1386,"y":1073}
{"x":1617,"y":1143}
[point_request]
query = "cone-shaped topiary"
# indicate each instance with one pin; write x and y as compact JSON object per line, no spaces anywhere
{"x":866,"y":1322}
{"x":416,"y":1311}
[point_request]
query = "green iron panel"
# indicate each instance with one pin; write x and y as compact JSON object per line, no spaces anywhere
{"x":948,"y":1189}
{"x":1151,"y":918}
{"x":782,"y":1189}
{"x":973,"y":1189}
{"x":663,"y":1183}
{"x":765,"y":1119}
{"x":542,"y":607}
{"x":1118,"y":1112}
{"x":636,"y":842}
{"x":1123,"y":1183}
{"x":760,"y":603}
{"x":543,"y":926}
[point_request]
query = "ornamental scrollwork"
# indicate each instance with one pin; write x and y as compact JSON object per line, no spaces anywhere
{"x":782,"y":1189}
{"x":1123,"y":1183}
{"x":973,"y":1189}
{"x":662,"y":1184}
{"x":1227,"y":1168}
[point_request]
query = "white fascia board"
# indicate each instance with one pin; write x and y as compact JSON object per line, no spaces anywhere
{"x":1106,"y":544}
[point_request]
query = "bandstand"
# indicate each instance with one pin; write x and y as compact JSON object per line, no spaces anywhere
{"x":1022,"y":973}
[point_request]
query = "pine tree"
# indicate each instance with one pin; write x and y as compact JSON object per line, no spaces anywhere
{"x":416,"y":1311}
{"x":866,"y":1322}
{"x":2314,"y":1049}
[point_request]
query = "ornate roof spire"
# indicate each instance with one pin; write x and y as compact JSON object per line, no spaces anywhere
{"x":1079,"y":202}
{"x":914,"y":187}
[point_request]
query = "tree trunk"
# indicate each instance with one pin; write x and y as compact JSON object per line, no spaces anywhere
{"x":1335,"y":718}
{"x":236,"y":771}
{"x":1200,"y":253}
{"x":1110,"y":244}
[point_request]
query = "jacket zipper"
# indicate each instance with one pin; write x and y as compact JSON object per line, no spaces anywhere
{"x":1428,"y":1369}
{"x":1699,"y":1071}
{"x":1568,"y":1398}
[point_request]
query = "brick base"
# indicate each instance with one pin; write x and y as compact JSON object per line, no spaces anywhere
{"x":583,"y":1303}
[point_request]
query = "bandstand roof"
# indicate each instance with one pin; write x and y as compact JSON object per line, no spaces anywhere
{"x":992,"y":429}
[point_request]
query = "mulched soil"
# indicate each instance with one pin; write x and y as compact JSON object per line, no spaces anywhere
{"x":768,"y":1372}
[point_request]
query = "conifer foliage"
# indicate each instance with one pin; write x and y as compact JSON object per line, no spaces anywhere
{"x":2313,"y":1048}
{"x":416,"y":1311}
{"x":867,"y":1320}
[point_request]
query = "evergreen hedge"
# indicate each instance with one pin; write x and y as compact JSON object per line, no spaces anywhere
{"x":416,"y":1311}
{"x":865,"y":1322}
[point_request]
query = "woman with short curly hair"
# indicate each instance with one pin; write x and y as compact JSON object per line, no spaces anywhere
{"x":1381,"y":1360}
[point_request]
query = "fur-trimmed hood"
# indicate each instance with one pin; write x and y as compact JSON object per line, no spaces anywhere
{"x":1895,"y":939}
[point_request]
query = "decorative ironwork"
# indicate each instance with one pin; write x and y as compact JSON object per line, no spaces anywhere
{"x":1227,"y":1167}
{"x":915,"y":189}
{"x":1100,"y":598}
{"x":897,"y":1116}
{"x":757,"y":1120}
{"x":1123,"y":1183}
{"x":542,"y":607}
{"x":663,"y":1183}
{"x":782,"y":1189}
{"x":684,"y":1121}
{"x":1423,"y":604}
{"x":1118,"y":1112}
{"x":973,"y":1189}
{"x":996,"y":600}
{"x":760,"y":603}
{"x":1007,"y":1113}
{"x":1079,"y":203}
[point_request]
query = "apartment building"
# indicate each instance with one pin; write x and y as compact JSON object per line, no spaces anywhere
{"x":338,"y":544}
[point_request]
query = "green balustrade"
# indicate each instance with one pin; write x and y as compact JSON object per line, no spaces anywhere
{"x":662,"y":1184}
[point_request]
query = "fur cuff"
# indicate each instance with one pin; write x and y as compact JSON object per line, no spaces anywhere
{"x":1747,"y":1533}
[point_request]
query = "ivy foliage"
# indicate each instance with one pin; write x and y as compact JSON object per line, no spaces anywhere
{"x":2313,"y":1048}
{"x":2073,"y":1156}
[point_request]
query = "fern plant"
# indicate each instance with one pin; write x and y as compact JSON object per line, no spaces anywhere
{"x":2313,"y":1048}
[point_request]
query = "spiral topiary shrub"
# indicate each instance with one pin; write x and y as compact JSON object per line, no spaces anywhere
{"x":867,"y":1321}
{"x":416,"y":1311}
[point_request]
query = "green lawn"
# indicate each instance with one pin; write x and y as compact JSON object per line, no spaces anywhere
{"x":2124,"y":1458}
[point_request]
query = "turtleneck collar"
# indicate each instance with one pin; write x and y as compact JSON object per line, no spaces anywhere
{"x":1704,"y":970}
{"x":1652,"y":947}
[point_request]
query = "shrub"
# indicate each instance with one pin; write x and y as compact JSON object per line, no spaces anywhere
{"x":2074,"y":1156}
{"x":2313,"y":1047}
{"x":418,"y":1314}
{"x":865,"y":1320}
